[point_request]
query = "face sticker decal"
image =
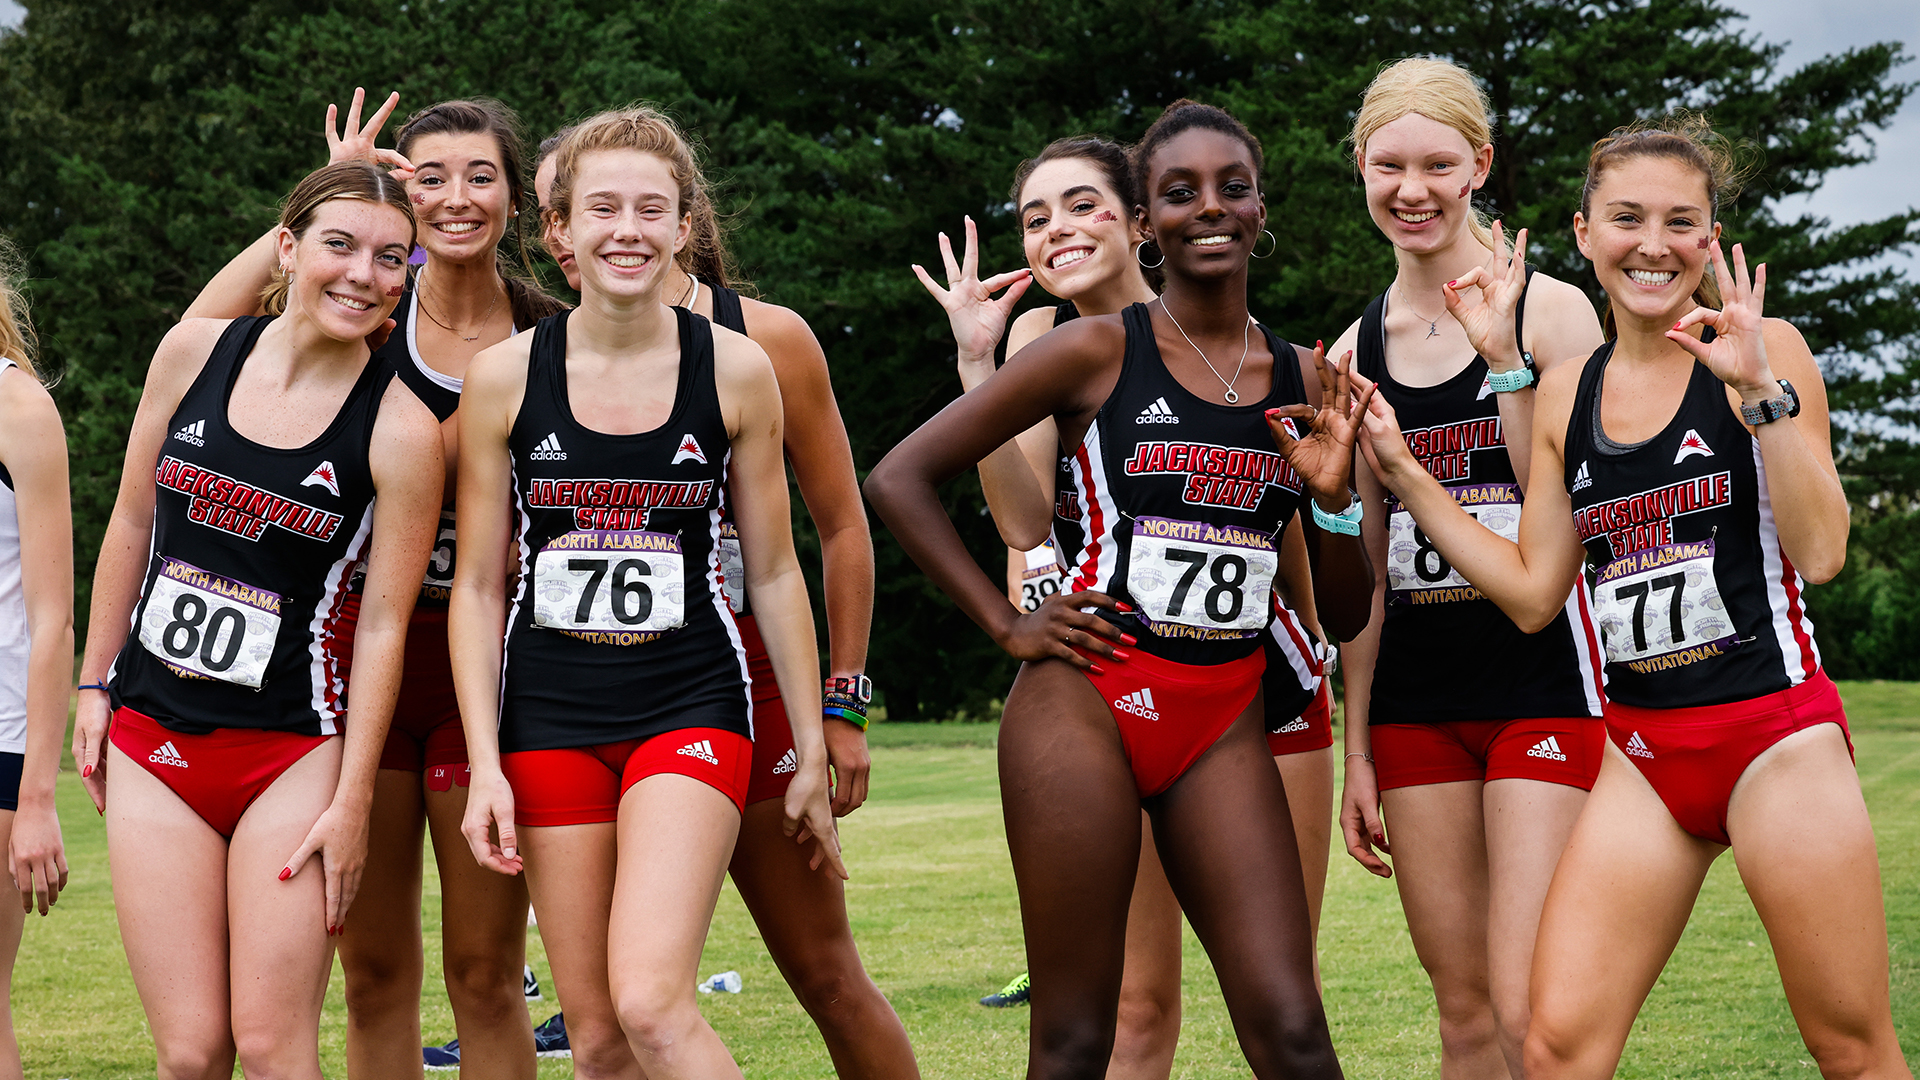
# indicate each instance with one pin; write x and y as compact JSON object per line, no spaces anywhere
{"x":395,"y":290}
{"x":419,"y":199}
{"x":1464,"y":189}
{"x":1705,"y":242}
{"x":1105,"y":215}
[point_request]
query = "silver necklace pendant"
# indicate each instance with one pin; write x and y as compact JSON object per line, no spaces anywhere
{"x":1433,"y":329}
{"x":1232,"y":398}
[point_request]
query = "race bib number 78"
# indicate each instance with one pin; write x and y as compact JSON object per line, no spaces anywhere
{"x":1201,"y":575}
{"x":206,"y":625}
{"x":610,"y":581}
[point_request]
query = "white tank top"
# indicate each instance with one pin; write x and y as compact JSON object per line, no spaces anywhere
{"x":14,"y":642}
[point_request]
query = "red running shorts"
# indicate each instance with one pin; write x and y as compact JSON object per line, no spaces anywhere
{"x":1169,"y":714}
{"x":583,"y":785}
{"x":774,"y":760}
{"x":1311,"y":730}
{"x":1559,"y":750}
{"x":426,"y":735}
{"x":219,"y":774}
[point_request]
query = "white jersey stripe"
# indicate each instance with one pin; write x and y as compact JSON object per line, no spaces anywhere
{"x":1291,"y":637}
{"x":718,"y":594}
{"x":1586,"y":646}
{"x":328,"y":684}
{"x":1099,"y":560}
{"x":1787,"y":615}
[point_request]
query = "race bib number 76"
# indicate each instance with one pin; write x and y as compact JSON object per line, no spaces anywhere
{"x":610,"y":581}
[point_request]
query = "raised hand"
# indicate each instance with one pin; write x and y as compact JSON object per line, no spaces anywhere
{"x":355,"y":143}
{"x":1488,"y":318}
{"x":1324,"y":456}
{"x":978,"y":319}
{"x":1738,"y":353}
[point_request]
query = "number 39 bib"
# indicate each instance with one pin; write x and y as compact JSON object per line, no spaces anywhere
{"x":1417,"y":572}
{"x":206,"y":625}
{"x":1660,"y":608}
{"x":610,"y":581}
{"x":1201,"y":575}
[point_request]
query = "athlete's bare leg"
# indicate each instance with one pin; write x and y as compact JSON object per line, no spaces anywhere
{"x":1073,"y":828}
{"x":1618,"y":903}
{"x":676,"y":835}
{"x":1440,"y":865}
{"x":1308,"y":778}
{"x":1226,"y":839}
{"x":1147,"y":1031}
{"x":1527,"y":823}
{"x":11,"y":921}
{"x":483,"y":935}
{"x":380,"y":953}
{"x":169,"y":872}
{"x":802,"y":916}
{"x":570,"y":873}
{"x":1805,"y":850}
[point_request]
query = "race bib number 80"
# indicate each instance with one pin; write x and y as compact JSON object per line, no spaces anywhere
{"x":1201,"y":575}
{"x":1417,"y":572}
{"x":203,"y":624}
{"x":1661,"y":608}
{"x":610,"y":581}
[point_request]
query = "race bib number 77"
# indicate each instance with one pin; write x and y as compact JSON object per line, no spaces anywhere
{"x":205,"y":625}
{"x":1661,"y":608}
{"x":1196,"y":574}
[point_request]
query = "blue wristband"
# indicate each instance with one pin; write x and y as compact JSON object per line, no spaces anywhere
{"x":1346,"y":522}
{"x":102,"y":687}
{"x":1506,"y":382}
{"x":841,"y":712}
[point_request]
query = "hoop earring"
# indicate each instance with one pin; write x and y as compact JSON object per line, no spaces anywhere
{"x":1144,"y":264}
{"x":1276,"y":246}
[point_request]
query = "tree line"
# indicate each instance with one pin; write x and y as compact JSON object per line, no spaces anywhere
{"x":147,"y":141}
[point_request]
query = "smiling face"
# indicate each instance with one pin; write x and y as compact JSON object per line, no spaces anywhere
{"x":1078,"y":234}
{"x":552,"y":237}
{"x":461,"y":195}
{"x":626,"y":222}
{"x":1420,"y":176}
{"x":1203,"y":203}
{"x":1647,"y":228}
{"x":349,"y":267}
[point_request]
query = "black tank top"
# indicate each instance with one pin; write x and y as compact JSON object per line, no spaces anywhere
{"x":1438,"y":626}
{"x":1696,"y":600}
{"x":619,"y":629}
{"x":253,"y":551}
{"x":727,"y":313}
{"x":1174,"y":505}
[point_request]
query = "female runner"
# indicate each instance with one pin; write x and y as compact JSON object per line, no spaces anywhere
{"x":467,"y":191}
{"x":36,"y":633}
{"x":1480,"y":779}
{"x":801,"y":912}
{"x":1080,"y":240}
{"x":614,"y":436}
{"x":1092,"y":733}
{"x":1699,"y":481}
{"x":269,"y":457}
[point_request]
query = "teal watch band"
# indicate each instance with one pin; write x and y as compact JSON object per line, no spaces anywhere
{"x":1346,"y":522}
{"x":1506,"y":382}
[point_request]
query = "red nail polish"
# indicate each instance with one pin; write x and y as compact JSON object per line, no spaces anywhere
{"x":86,"y":771}
{"x":1271,"y":413}
{"x":1379,"y":839}
{"x":1129,"y":639}
{"x":1122,"y":655}
{"x":286,"y":872}
{"x":1123,"y":607}
{"x":1320,"y":345}
{"x":1676,"y":326}
{"x":1097,"y":669}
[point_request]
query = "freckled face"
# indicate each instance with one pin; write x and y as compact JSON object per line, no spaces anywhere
{"x":626,"y":223}
{"x":1076,"y":232}
{"x":1420,"y":174}
{"x":460,"y":194}
{"x":349,"y":267}
{"x":1647,"y":231}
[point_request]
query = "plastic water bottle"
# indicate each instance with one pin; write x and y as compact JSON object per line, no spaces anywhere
{"x":727,"y":981}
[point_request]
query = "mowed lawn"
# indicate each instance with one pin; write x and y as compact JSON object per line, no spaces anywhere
{"x":934,"y":910}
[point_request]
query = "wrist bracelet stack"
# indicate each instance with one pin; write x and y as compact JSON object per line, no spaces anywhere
{"x":846,"y":698}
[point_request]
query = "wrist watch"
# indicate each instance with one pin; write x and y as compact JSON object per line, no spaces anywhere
{"x":1767,"y":410}
{"x":857,"y":687}
{"x":1506,"y":382}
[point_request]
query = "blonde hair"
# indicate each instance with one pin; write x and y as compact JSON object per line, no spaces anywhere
{"x":1439,"y":90}
{"x":18,"y":342}
{"x":1684,"y":136}
{"x":340,"y":180}
{"x":650,"y":131}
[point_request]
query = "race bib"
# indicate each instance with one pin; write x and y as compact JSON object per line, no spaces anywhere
{"x":1041,"y":578}
{"x":1200,"y":575}
{"x":733,"y":569}
{"x":610,"y":581}
{"x":438,"y":584}
{"x":203,"y":624}
{"x":1416,"y":571}
{"x":1660,"y":608}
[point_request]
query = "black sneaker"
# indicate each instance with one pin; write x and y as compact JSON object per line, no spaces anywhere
{"x":442,"y":1057}
{"x":530,"y":984}
{"x":550,"y":1038}
{"x":1014,"y":993}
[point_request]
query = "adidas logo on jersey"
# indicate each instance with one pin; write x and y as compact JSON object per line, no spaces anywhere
{"x":1139,"y":703}
{"x":167,"y":755}
{"x":1637,"y":746}
{"x":194,"y":434}
{"x":702,"y":750}
{"x":1298,"y":723}
{"x":689,"y":451}
{"x":1692,"y":445}
{"x":1581,"y":481}
{"x":323,"y":476}
{"x":1157,"y":413}
{"x":786,"y":764}
{"x":1548,"y":748}
{"x":549,"y":449}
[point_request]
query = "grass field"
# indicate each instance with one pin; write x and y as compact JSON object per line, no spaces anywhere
{"x":933,"y":907}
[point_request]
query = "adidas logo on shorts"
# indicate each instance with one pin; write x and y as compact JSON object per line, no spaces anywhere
{"x":1298,"y":723}
{"x":1637,"y":746}
{"x":1139,"y":703}
{"x":786,"y":764}
{"x":549,"y":449}
{"x":1157,"y":413}
{"x":167,"y":755}
{"x":1548,"y":748}
{"x":1581,"y":481}
{"x":194,"y":434}
{"x":702,"y":750}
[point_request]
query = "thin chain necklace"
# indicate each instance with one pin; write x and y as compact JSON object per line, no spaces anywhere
{"x":420,"y":291}
{"x":1246,"y":342}
{"x":1433,"y":324}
